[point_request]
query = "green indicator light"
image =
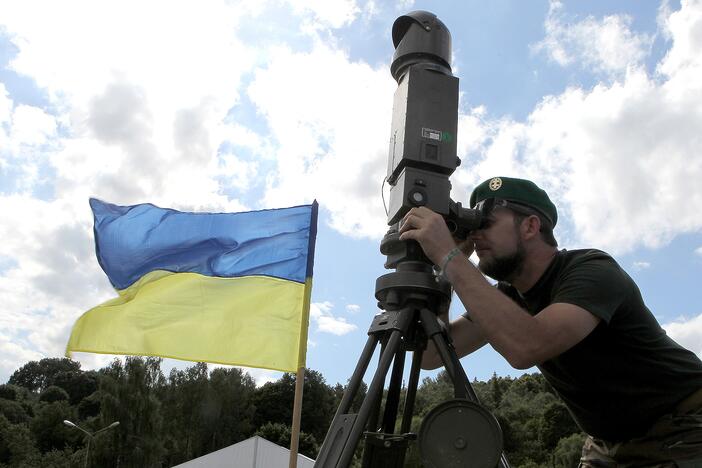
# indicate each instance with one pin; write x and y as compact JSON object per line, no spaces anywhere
{"x":446,"y":136}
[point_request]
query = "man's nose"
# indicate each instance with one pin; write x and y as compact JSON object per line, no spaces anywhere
{"x":475,"y":234}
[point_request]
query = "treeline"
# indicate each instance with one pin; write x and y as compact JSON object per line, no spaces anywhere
{"x":164,"y":421}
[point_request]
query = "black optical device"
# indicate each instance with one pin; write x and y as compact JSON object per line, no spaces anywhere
{"x":458,"y":432}
{"x":422,"y":153}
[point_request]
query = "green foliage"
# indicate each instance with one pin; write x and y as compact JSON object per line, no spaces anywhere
{"x":13,"y":411}
{"x":280,"y":434}
{"x":129,"y":395}
{"x":431,"y":392}
{"x":77,"y":384}
{"x":557,"y":423}
{"x":10,"y":392}
{"x":52,"y":394}
{"x":16,"y":443}
{"x":568,"y":451}
{"x":48,"y":428}
{"x":35,"y":376}
{"x":274,"y":403}
{"x":89,"y":407}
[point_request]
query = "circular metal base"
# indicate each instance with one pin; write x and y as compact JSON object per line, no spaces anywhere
{"x":460,"y":433}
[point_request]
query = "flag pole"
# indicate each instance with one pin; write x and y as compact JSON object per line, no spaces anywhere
{"x":297,"y":416}
{"x":302,"y":345}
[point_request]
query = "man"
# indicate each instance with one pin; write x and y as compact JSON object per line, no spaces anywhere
{"x":579,"y":318}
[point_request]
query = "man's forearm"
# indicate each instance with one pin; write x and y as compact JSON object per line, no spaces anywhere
{"x":507,"y":327}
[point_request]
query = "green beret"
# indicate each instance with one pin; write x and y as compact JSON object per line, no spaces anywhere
{"x":524,"y":192}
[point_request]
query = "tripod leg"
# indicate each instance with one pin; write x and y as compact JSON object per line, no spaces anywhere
{"x":357,"y":376}
{"x":341,"y":422}
{"x":393,"y":399}
{"x":372,"y":424}
{"x":462,"y":388}
{"x":373,"y":391}
{"x":411,"y":391}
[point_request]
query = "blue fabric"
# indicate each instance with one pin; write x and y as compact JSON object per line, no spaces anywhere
{"x":131,"y":241}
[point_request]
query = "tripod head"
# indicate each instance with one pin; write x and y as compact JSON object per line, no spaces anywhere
{"x":422,"y":152}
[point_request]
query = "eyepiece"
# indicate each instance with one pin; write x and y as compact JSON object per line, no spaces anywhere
{"x":420,"y":38}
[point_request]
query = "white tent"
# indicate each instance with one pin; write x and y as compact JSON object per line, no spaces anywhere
{"x":255,"y":452}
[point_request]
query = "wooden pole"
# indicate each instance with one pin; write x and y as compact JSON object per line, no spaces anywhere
{"x":302,"y":345}
{"x":297,"y":416}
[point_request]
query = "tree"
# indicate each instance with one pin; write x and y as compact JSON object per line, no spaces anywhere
{"x":77,"y":384}
{"x":16,"y":444}
{"x":280,"y":434}
{"x":53,"y":393}
{"x":274,"y":403}
{"x":13,"y":411}
{"x":431,"y":392}
{"x":37,"y":375}
{"x":11,"y":392}
{"x":557,"y":424}
{"x":129,"y":395}
{"x":229,"y":410}
{"x":185,"y":398}
{"x":568,"y":451}
{"x":48,"y":428}
{"x":520,"y":415}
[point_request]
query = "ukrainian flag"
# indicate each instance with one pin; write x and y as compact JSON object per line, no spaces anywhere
{"x":228,"y":288}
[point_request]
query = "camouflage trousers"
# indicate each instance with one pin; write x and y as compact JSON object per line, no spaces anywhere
{"x":674,"y":441}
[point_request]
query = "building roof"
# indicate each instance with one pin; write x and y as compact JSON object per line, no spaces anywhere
{"x":255,"y":452}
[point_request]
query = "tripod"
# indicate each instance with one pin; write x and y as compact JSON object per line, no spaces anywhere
{"x":411,"y":297}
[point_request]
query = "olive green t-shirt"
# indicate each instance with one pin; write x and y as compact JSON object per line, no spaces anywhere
{"x":627,"y":372}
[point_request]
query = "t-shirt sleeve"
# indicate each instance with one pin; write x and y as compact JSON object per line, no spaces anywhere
{"x":597,"y":285}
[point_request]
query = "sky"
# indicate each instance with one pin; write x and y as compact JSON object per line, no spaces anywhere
{"x":253,"y":104}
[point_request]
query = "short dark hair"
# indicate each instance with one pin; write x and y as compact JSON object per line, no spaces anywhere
{"x":521,"y":212}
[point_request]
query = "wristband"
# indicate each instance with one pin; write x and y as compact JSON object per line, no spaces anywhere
{"x":441,"y":271}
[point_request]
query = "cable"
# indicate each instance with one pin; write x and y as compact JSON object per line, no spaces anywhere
{"x":382,"y":195}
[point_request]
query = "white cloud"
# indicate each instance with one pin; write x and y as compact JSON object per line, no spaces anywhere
{"x":13,"y":355}
{"x":698,"y":250}
{"x":321,"y":314}
{"x":620,"y":160}
{"x":24,"y":138}
{"x":331,"y":128}
{"x":335,"y":325}
{"x":32,"y":126}
{"x":353,"y":308}
{"x":607,"y":45}
{"x":641,"y":265}
{"x":687,"y":333}
{"x":5,"y":105}
{"x":327,"y":13}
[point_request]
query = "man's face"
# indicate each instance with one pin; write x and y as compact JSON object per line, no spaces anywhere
{"x":499,"y":246}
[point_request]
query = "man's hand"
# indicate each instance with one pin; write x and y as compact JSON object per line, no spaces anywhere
{"x":429,"y":229}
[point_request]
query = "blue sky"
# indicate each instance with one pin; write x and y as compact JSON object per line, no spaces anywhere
{"x":245,"y":105}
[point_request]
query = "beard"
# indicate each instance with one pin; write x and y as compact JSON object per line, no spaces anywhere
{"x":506,"y":267}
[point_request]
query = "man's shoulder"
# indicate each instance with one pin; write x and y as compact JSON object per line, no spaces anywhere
{"x":574,"y":257}
{"x":589,"y":263}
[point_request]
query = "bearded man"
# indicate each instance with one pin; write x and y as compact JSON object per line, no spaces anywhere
{"x":578,"y":317}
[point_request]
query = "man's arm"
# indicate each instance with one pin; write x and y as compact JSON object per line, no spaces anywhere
{"x":522,"y":339}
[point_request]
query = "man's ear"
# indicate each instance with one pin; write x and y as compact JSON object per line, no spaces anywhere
{"x":530,"y":227}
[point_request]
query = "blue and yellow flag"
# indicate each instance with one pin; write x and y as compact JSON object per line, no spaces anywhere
{"x":228,"y":288}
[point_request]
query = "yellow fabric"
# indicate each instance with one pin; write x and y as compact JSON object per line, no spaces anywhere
{"x":253,"y":321}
